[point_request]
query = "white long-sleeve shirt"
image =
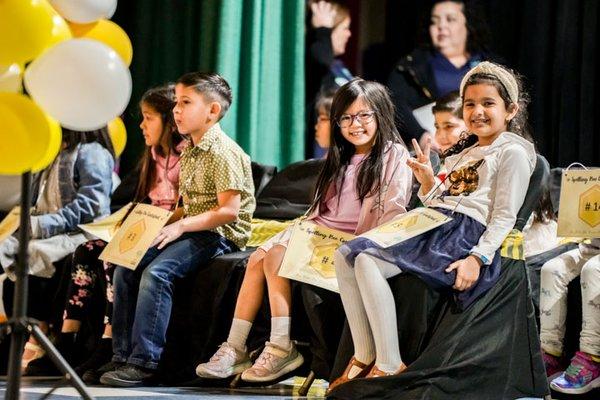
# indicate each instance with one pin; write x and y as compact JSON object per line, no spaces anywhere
{"x":492,"y":193}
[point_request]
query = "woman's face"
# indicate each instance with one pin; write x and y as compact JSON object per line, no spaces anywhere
{"x":339,"y":37}
{"x":448,"y":28}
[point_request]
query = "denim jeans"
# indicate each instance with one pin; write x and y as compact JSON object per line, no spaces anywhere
{"x":143,"y":298}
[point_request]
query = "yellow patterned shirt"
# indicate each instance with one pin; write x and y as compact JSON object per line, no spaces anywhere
{"x":218,"y":164}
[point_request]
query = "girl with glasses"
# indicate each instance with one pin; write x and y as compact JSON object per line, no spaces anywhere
{"x":364,"y":182}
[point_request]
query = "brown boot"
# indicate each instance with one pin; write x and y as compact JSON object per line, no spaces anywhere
{"x":352,"y":366}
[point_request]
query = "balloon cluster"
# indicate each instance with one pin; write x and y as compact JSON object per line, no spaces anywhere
{"x":73,"y":62}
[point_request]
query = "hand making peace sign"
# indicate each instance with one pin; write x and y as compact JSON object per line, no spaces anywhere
{"x":421,"y":165}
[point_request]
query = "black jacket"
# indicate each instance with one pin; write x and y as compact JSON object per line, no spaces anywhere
{"x":412,"y":85}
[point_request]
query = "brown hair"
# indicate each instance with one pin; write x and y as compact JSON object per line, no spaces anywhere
{"x":162,"y":100}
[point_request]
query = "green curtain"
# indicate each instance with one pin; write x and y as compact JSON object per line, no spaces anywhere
{"x":257,"y":45}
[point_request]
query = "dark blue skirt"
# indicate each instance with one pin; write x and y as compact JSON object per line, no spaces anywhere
{"x":430,"y":253}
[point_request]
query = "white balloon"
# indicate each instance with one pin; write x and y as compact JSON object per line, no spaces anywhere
{"x":82,"y":83}
{"x":85,"y":11}
{"x":10,"y":78}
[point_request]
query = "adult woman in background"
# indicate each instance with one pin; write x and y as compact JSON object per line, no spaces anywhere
{"x":456,"y":41}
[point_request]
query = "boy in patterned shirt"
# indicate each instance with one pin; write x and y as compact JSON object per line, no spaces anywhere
{"x":217,"y":191}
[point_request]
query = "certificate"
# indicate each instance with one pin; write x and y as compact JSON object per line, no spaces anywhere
{"x":309,"y":255}
{"x":106,"y":228}
{"x":406,"y":226}
{"x":134,"y":237}
{"x":579,"y":209}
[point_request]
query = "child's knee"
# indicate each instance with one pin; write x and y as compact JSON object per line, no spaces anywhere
{"x":153,"y":276}
{"x":254,"y":261}
{"x":273,"y":258}
{"x":591,"y":271}
{"x":552,"y":268}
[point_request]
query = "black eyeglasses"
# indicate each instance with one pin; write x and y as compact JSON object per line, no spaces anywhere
{"x":364,"y":117}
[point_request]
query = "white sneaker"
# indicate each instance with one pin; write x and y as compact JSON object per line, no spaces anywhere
{"x":273,"y":362}
{"x":227,"y":361}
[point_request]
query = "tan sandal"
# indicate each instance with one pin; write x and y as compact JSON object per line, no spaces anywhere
{"x":352,"y":366}
{"x":377,"y":373}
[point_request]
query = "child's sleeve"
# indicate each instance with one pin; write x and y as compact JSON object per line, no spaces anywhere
{"x":437,"y":190}
{"x":94,"y":167}
{"x":230,"y":171}
{"x":398,"y":190}
{"x":514,"y":173}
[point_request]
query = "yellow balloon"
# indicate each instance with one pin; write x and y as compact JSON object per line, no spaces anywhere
{"x":108,"y":33}
{"x":60,"y":28}
{"x":118,"y":135}
{"x":54,"y":145}
{"x":37,"y":134}
{"x":25,"y":29}
{"x":11,"y":78}
{"x":14,"y":141}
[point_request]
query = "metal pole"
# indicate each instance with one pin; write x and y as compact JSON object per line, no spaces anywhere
{"x":19,"y":331}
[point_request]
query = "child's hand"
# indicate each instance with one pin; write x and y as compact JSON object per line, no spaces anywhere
{"x":421,"y":165}
{"x":323,"y":14}
{"x":467,"y":272}
{"x":168,"y":234}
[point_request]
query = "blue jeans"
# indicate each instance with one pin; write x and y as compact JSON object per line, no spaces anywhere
{"x":143,"y":298}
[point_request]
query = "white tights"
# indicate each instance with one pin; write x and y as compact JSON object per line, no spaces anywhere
{"x":370,"y":309}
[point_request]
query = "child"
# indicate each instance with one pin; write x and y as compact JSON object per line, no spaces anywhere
{"x":363,"y":183}
{"x":159,"y":184}
{"x":74,"y":189}
{"x":217,"y":190}
{"x":540,"y":232}
{"x":583,"y":373}
{"x":323,"y":126}
{"x":448,"y":123}
{"x":461,"y":254}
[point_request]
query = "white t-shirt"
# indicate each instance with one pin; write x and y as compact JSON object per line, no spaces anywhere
{"x":487,"y":183}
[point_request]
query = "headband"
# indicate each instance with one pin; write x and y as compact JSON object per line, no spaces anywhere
{"x":506,"y":78}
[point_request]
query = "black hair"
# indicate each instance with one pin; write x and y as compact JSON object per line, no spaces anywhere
{"x":162,"y":100}
{"x":518,"y":124}
{"x":211,"y":85}
{"x":448,"y":103}
{"x":478,"y":32}
{"x":544,"y":211}
{"x":324,"y":100}
{"x":71,"y":138}
{"x":368,"y":181}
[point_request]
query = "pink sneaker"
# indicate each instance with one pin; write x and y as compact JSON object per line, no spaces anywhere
{"x":554,"y":365}
{"x":582,"y":375}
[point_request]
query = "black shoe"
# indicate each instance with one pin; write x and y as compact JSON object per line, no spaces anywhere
{"x":110,"y":366}
{"x":128,"y":375}
{"x":44,"y":366}
{"x":92,"y":376}
{"x":99,"y":358}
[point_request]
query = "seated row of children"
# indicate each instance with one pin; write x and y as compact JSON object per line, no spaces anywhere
{"x":365,"y":181}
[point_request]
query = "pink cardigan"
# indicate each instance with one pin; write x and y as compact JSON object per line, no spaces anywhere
{"x":393,"y":196}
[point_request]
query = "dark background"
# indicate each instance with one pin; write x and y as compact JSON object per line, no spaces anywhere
{"x":553,"y":43}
